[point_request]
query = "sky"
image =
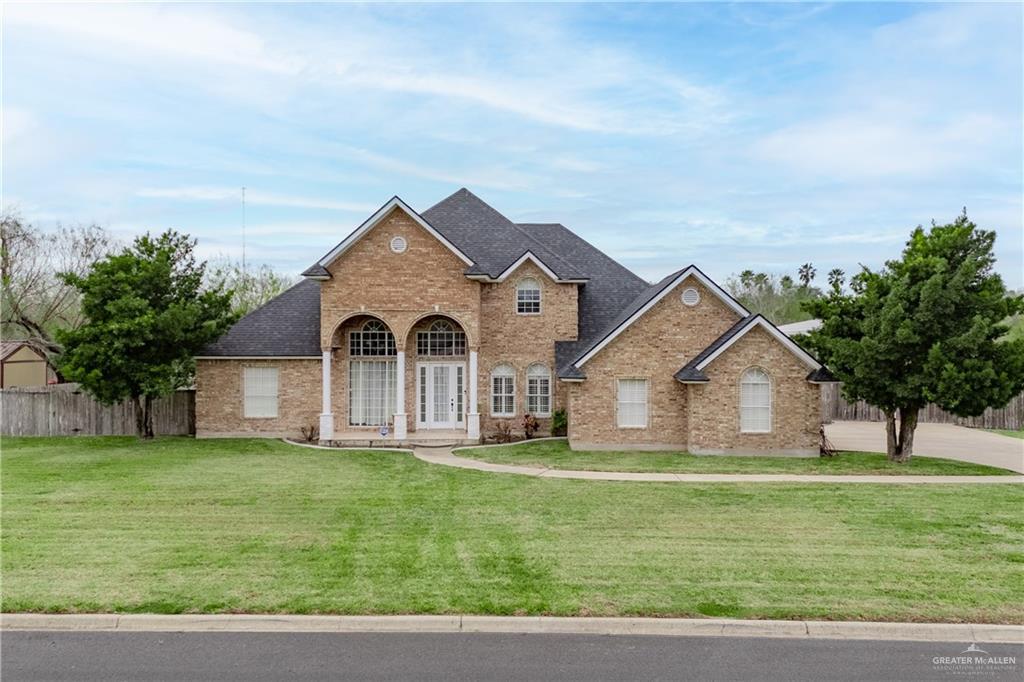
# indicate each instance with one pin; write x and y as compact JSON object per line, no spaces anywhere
{"x":731,"y":136}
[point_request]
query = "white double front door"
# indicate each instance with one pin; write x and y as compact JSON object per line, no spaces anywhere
{"x":440,"y":391}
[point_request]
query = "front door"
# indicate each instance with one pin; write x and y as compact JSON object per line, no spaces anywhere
{"x":439,"y":391}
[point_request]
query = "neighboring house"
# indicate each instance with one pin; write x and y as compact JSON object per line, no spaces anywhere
{"x":456,"y":319}
{"x":797,"y":328}
{"x":21,"y":364}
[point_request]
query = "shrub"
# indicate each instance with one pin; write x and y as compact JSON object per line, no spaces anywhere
{"x":559,"y":423}
{"x":530,"y":425}
{"x":503,"y":432}
{"x":310,"y":433}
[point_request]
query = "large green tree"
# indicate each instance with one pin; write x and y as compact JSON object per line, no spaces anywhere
{"x":148,"y":314}
{"x":925,"y":329}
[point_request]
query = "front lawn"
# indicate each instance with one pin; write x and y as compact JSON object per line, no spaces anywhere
{"x":110,"y":524}
{"x":1011,"y":434}
{"x":555,"y":454}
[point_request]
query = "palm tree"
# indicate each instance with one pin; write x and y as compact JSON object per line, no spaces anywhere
{"x":806,"y":274}
{"x":836,"y":277}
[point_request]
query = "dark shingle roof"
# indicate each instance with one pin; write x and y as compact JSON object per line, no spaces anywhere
{"x":490,"y":239}
{"x":286,"y":325}
{"x":689,"y":371}
{"x":822,"y":376}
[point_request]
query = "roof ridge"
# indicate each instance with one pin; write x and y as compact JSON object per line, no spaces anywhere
{"x":545,"y":247}
{"x":596,"y":250}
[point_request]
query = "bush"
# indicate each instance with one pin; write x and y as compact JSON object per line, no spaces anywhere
{"x":502,"y":432}
{"x":559,"y":423}
{"x":530,"y":425}
{"x":310,"y":433}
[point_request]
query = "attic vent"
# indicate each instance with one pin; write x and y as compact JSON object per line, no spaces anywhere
{"x":691,"y":296}
{"x":398,"y":245}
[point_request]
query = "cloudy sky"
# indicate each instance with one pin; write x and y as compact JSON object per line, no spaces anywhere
{"x":730,"y":136}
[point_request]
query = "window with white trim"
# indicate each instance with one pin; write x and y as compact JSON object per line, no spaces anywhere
{"x":528,"y":297}
{"x":632,"y":403}
{"x":755,"y":401}
{"x":538,"y":390}
{"x":372,"y":339}
{"x":371,"y":392}
{"x":260,"y":392}
{"x":503,"y":391}
{"x":441,"y":339}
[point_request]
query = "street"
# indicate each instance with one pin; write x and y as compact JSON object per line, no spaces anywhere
{"x":51,"y":655}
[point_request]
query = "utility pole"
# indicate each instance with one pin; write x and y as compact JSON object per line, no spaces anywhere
{"x":243,"y":232}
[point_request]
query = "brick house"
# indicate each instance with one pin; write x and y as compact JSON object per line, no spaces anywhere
{"x":445,"y":323}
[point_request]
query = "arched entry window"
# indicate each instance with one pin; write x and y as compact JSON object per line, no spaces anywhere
{"x":373,"y":338}
{"x":441,"y":339}
{"x":755,"y":401}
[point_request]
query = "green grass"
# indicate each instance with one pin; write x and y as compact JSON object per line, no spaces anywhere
{"x":177,"y":525}
{"x":556,"y":454}
{"x":1011,"y":434}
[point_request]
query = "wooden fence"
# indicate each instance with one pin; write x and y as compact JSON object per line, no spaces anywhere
{"x":64,"y":410}
{"x":835,"y":408}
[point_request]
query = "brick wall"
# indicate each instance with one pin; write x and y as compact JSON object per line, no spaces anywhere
{"x":652,"y":348}
{"x":508,"y":338}
{"x":220,"y":398}
{"x":715,"y":406}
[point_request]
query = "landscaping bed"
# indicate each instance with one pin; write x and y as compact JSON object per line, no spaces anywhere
{"x":259,"y":526}
{"x":556,"y":454}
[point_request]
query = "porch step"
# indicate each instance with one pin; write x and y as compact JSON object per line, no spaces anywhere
{"x":392,"y":443}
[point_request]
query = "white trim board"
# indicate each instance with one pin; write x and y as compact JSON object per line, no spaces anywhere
{"x":378,"y":216}
{"x":529,"y":255}
{"x":691,"y":271}
{"x":759,"y":321}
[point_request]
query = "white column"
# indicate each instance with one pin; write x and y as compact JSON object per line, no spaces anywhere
{"x":326,"y":416}
{"x":401,"y":423}
{"x":473,"y":418}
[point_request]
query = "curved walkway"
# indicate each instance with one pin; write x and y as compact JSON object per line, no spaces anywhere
{"x":445,"y":457}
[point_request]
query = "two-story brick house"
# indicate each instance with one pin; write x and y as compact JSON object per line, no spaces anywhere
{"x":453,"y":320}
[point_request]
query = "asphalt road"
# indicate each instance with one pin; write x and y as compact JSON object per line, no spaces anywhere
{"x":275,"y":656}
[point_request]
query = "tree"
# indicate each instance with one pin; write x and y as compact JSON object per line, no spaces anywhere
{"x":35,"y":301}
{"x":925,"y":329}
{"x":836,"y":278}
{"x":148,"y":315}
{"x":806,"y":272}
{"x":252,"y":287}
{"x":774,"y":297}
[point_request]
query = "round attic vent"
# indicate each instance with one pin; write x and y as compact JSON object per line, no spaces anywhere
{"x":691,"y":296}
{"x":399,"y":245}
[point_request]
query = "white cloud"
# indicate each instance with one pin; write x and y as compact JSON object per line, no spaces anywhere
{"x":252,"y":196}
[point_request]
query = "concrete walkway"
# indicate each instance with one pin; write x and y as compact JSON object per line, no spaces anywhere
{"x":445,"y":457}
{"x":803,"y":629}
{"x":935,"y":440}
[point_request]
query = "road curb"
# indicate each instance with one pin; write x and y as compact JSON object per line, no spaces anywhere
{"x":793,"y":629}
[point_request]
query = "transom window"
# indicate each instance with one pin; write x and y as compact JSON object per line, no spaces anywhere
{"x":528,"y":297}
{"x":373,"y":339}
{"x":632,"y":403}
{"x":538,"y":391}
{"x":755,"y":401}
{"x":442,"y":339}
{"x":503,"y":391}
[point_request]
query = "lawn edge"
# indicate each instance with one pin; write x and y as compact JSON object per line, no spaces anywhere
{"x":704,"y":627}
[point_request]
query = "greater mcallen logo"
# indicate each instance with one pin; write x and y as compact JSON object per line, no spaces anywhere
{"x":972,"y":661}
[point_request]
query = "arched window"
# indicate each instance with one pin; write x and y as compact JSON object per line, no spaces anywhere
{"x":373,"y":338}
{"x":503,"y":391}
{"x":441,"y":339}
{"x":538,"y":390}
{"x":755,"y":401}
{"x":528,"y":297}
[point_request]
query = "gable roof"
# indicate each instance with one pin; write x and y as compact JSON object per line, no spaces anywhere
{"x":494,"y":242}
{"x":9,"y":348}
{"x":285,"y":326}
{"x":693,"y":371}
{"x":645,"y":301}
{"x":319,"y":269}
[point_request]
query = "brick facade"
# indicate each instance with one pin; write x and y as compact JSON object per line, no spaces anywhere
{"x":408,"y":291}
{"x":652,"y":348}
{"x":220,"y":398}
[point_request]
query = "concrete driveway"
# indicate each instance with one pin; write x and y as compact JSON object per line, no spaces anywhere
{"x":935,"y":440}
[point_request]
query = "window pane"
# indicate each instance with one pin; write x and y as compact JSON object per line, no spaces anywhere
{"x":632,"y":402}
{"x":260,"y":387}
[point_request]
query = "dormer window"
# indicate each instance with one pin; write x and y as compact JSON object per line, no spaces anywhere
{"x":528,"y":297}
